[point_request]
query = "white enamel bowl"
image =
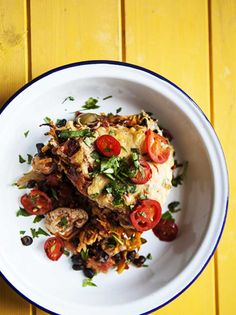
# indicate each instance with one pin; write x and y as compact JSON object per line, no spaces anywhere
{"x":54,"y":286}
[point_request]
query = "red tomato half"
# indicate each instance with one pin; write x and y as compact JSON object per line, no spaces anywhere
{"x":142,"y":177}
{"x":156,"y":147}
{"x":166,"y":230}
{"x":146,"y":215}
{"x":108,"y":145}
{"x":54,"y":248}
{"x":36,"y":202}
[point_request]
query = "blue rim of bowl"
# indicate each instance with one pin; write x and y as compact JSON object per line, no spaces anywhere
{"x":129,"y":65}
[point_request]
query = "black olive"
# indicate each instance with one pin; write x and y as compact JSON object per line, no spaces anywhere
{"x":77,"y":260}
{"x":31,"y":183}
{"x":77,"y":267}
{"x":26,"y":240}
{"x":131,"y":255}
{"x":139,"y":261}
{"x":89,"y":273}
{"x":117,"y":258}
{"x":39,"y":147}
{"x":103,"y":256}
{"x":75,"y":241}
{"x":61,"y":123}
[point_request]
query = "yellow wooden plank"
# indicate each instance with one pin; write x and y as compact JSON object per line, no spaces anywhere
{"x":167,"y":37}
{"x":13,"y":65}
{"x":65,"y":31}
{"x":223,"y":16}
{"x":12,"y":47}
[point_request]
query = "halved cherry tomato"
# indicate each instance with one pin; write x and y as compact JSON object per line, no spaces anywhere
{"x":54,"y":248}
{"x":166,"y":230}
{"x":146,"y":215}
{"x":143,"y":176}
{"x":108,"y":145}
{"x":156,"y":147}
{"x":36,"y":202}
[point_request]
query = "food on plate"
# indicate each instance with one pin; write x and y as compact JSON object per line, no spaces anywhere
{"x":98,"y":184}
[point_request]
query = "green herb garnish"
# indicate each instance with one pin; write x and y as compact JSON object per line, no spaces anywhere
{"x":84,"y":254}
{"x":36,"y":233}
{"x":21,"y":159}
{"x":107,"y":97}
{"x":172,"y":208}
{"x":54,"y":193}
{"x":29,"y":158}
{"x":26,"y":133}
{"x":118,"y":110}
{"x":47,"y":120}
{"x":167,"y":216}
{"x":22,"y":232}
{"x":88,"y":282}
{"x":38,"y":218}
{"x":63,"y":222}
{"x":118,"y":241}
{"x":75,"y":133}
{"x":91,"y":103}
{"x":94,"y":196}
{"x":145,"y":266}
{"x":70,"y":98}
{"x":66,"y":253}
{"x":173,"y":205}
{"x":149,"y":256}
{"x":178,"y":180}
{"x":22,"y":212}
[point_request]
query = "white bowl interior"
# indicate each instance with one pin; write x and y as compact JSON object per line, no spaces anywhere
{"x":49,"y":283}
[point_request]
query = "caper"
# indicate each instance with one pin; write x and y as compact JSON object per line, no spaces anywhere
{"x":87,"y":119}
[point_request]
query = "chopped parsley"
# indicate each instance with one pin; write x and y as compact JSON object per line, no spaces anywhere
{"x":47,"y":120}
{"x":21,"y":159}
{"x":145,"y":266}
{"x":118,"y":110}
{"x":149,"y":256}
{"x":22,"y":212}
{"x":94,"y":196}
{"x":36,"y":233}
{"x":38,"y":218}
{"x":66,"y":253}
{"x":107,"y":97}
{"x":88,"y":282}
{"x":173,"y":207}
{"x":178,"y":180}
{"x":75,"y":133}
{"x":91,"y":103}
{"x":54,"y":193}
{"x":22,"y":232}
{"x":29,"y":158}
{"x":84,"y":254}
{"x":68,"y":98}
{"x":63,"y":222}
{"x":26,"y":133}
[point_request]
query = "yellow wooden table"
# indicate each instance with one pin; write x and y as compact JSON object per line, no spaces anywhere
{"x":191,"y":42}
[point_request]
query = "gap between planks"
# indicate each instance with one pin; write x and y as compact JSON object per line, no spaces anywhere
{"x":212,"y":118}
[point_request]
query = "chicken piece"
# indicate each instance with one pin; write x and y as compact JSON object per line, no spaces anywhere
{"x":44,"y":166}
{"x":65,"y":222}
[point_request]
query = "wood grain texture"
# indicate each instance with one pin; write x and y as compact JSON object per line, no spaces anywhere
{"x":13,"y":65}
{"x":13,"y":48}
{"x":223,"y":41}
{"x":65,"y":31}
{"x":166,"y":37}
